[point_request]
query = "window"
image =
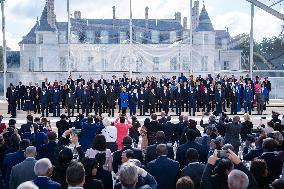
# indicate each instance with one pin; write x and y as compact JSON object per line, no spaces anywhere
{"x":104,"y":64}
{"x":90,"y":37}
{"x":62,"y":64}
{"x":104,"y":37}
{"x":174,"y":65}
{"x":206,"y":38}
{"x":139,"y":63}
{"x":185,"y":37}
{"x":226,"y":65}
{"x":173,"y":36}
{"x":155,"y":37}
{"x":124,"y":63}
{"x":156,"y":62}
{"x":40,"y":39}
{"x":185,"y":63}
{"x":204,"y":63}
{"x":122,"y":37}
{"x":31,"y":65}
{"x":138,"y":37}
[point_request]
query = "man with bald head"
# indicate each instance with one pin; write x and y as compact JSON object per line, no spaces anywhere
{"x":165,"y":170}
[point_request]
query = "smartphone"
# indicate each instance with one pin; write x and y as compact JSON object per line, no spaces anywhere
{"x":77,"y":131}
{"x":222,"y":153}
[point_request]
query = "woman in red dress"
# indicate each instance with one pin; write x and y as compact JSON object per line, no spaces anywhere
{"x":122,"y":129}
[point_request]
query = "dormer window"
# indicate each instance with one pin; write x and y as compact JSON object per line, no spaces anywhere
{"x":104,"y":37}
{"x":40,"y":39}
{"x":155,"y":37}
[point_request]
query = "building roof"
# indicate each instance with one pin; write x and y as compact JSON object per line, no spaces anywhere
{"x":43,"y":23}
{"x":30,"y":38}
{"x":205,"y":23}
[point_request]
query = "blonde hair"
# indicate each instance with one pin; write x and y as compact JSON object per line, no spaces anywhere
{"x":246,"y":117}
{"x":106,"y":122}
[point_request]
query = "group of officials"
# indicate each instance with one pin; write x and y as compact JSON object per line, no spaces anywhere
{"x":149,"y":95}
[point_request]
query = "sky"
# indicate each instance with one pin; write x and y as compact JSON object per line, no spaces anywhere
{"x":21,"y":15}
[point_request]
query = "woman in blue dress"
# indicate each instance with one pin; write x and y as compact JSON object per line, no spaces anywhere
{"x":29,"y":104}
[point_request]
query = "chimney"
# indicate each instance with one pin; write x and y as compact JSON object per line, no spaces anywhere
{"x":178,"y":17}
{"x":77,"y":15}
{"x":50,"y":13}
{"x":195,"y":15}
{"x":185,"y":22}
{"x":113,"y":13}
{"x":146,"y":16}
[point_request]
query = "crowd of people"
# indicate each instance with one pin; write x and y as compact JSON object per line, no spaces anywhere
{"x":149,"y":95}
{"x":92,"y":152}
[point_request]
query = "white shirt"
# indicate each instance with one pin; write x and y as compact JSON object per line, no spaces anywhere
{"x":110,"y":133}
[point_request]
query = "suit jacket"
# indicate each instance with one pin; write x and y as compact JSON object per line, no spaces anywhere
{"x":21,"y":91}
{"x":62,"y":126}
{"x":181,"y":152}
{"x":194,"y":171}
{"x":117,"y":157}
{"x":44,"y":97}
{"x":151,"y":153}
{"x":48,"y":151}
{"x":17,"y":177}
{"x":165,"y":171}
{"x":11,"y":160}
{"x":70,"y":100}
{"x":46,"y":183}
{"x":169,"y":130}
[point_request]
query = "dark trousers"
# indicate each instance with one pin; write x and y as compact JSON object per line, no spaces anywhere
{"x":105,"y":107}
{"x":260,"y":108}
{"x":78,"y":105}
{"x":142,"y":109}
{"x":56,"y":110}
{"x":21,"y":103}
{"x":111,"y":106}
{"x":85,"y":108}
{"x":91,"y":104}
{"x":44,"y":108}
{"x":152,"y":108}
{"x":198,"y":105}
{"x":178,"y":107}
{"x":69,"y":108}
{"x":247,"y":106}
{"x":234,"y":108}
{"x":13,"y":109}
{"x":132,"y":109}
{"x":219,"y":107}
{"x":192,"y":106}
{"x":98,"y":109}
{"x":37,"y":106}
{"x":166,"y":107}
{"x":123,"y":110}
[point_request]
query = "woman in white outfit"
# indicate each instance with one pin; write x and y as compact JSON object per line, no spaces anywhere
{"x":110,"y":133}
{"x":99,"y":147}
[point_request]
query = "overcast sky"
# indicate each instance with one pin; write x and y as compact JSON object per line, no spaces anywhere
{"x":21,"y":14}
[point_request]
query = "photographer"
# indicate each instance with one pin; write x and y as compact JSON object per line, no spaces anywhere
{"x":222,"y":170}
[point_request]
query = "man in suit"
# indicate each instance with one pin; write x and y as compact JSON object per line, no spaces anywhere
{"x":85,"y":101}
{"x":21,"y":90}
{"x":44,"y":101}
{"x":192,"y":101}
{"x":273,"y":160}
{"x":8,"y":93}
{"x":178,"y":96}
{"x":98,"y":101}
{"x":12,"y":101}
{"x":220,"y":99}
{"x":151,"y":150}
{"x":111,"y":96}
{"x":12,"y":159}
{"x":104,"y":99}
{"x":70,"y":102}
{"x":141,"y":101}
{"x":36,"y":92}
{"x":169,"y":130}
{"x":152,"y":100}
{"x":165,"y":170}
{"x":43,"y":171}
{"x":48,"y":150}
{"x":181,"y":150}
{"x":248,"y":99}
{"x":27,"y":167}
{"x":62,"y":125}
{"x":127,"y":143}
{"x":194,"y":169}
{"x":165,"y":99}
{"x":56,"y":100}
{"x":78,"y":95}
{"x":132,"y":102}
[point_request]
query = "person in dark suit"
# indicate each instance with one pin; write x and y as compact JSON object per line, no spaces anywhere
{"x":12,"y":100}
{"x":37,"y":95}
{"x":194,"y":169}
{"x":141,"y":102}
{"x":78,"y":95}
{"x":12,"y":159}
{"x":104,"y":99}
{"x":273,"y":160}
{"x":181,"y":150}
{"x":178,"y":96}
{"x":81,"y":80}
{"x":27,"y":167}
{"x":8,"y":92}
{"x":85,"y":100}
{"x":165,"y":170}
{"x":44,"y":102}
{"x":127,"y":143}
{"x":151,"y":154}
{"x":98,"y":101}
{"x":169,"y":130}
{"x":248,"y":99}
{"x":27,"y":126}
{"x":165,"y":99}
{"x":70,"y":103}
{"x":21,"y":90}
{"x":206,"y":101}
{"x":43,"y":170}
{"x":152,"y":100}
{"x":48,"y":150}
{"x":219,"y":97}
{"x":56,"y":100}
{"x":132,"y":102}
{"x":234,"y":102}
{"x":192,"y":101}
{"x":62,"y":125}
{"x":111,"y":96}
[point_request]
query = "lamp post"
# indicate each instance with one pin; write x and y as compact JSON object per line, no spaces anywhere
{"x":68,"y":39}
{"x":4,"y":46}
{"x":130,"y":40}
{"x":251,"y":41}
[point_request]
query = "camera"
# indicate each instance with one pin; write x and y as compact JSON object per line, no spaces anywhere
{"x":222,"y":154}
